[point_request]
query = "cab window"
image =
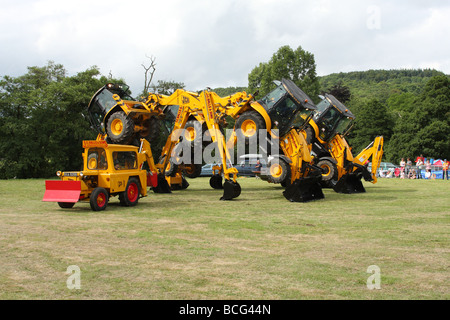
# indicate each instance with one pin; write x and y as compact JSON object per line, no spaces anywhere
{"x":97,"y":159}
{"x":124,"y":160}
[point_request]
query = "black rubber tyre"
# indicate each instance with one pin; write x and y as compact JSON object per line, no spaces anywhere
{"x":152,"y":129}
{"x":99,"y":199}
{"x":192,"y":170}
{"x":193,"y":133}
{"x":92,"y":161}
{"x":120,"y":128}
{"x":130,"y":196}
{"x":248,"y":125}
{"x":66,"y":205}
{"x":329,"y":170}
{"x":279,"y":171}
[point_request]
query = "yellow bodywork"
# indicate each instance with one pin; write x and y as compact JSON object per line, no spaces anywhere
{"x":103,"y":171}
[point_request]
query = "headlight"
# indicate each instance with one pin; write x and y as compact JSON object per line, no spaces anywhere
{"x":58,"y":173}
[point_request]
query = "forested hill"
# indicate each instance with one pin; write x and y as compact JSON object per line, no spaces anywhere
{"x":380,"y":84}
{"x":410,"y":108}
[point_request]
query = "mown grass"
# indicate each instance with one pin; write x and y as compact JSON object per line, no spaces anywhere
{"x":191,"y":245}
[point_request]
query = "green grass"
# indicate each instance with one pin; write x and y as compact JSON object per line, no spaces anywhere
{"x":191,"y":245}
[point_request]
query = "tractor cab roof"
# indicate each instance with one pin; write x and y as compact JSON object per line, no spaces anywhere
{"x":340,"y":106}
{"x":298,"y":95}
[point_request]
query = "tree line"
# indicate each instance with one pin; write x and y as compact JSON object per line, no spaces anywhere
{"x":43,"y":119}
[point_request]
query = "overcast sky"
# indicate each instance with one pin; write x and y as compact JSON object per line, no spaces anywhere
{"x":216,"y":43}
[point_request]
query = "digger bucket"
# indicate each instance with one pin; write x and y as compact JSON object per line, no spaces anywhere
{"x":162,"y":185}
{"x":231,"y":190}
{"x":304,"y":190}
{"x":62,"y":191}
{"x":349,"y":183}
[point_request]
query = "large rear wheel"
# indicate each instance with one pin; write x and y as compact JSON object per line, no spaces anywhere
{"x":120,"y":128}
{"x":130,"y":196}
{"x":279,"y":170}
{"x":329,"y":170}
{"x":248,"y":124}
{"x":192,"y":170}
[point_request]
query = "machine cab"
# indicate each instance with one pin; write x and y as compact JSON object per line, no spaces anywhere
{"x":285,"y":103}
{"x":332,"y":118}
{"x":102,"y":102}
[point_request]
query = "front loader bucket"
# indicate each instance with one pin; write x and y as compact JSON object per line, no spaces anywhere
{"x":350,"y":183}
{"x":231,"y":190}
{"x":304,"y":190}
{"x":62,"y":191}
{"x":163,"y":185}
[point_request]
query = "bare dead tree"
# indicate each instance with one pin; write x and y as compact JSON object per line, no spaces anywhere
{"x":149,"y":72}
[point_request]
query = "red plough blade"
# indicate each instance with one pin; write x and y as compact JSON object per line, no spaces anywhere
{"x":62,"y":191}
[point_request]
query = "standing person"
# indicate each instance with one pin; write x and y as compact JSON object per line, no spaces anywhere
{"x":402,"y":166}
{"x":258,"y":167}
{"x":408,"y":166}
{"x":445,"y":169}
{"x":403,"y":163}
{"x":419,"y":163}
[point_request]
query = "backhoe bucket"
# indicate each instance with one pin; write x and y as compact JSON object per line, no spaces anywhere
{"x":163,"y":185}
{"x":350,"y":183}
{"x":304,"y":190}
{"x":231,"y":190}
{"x":216,"y":181}
{"x":62,"y":191}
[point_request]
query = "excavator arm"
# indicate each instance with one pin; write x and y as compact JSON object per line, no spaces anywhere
{"x":375,"y":151}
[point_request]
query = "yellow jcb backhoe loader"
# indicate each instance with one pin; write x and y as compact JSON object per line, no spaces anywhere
{"x":290,"y":164}
{"x":326,"y":132}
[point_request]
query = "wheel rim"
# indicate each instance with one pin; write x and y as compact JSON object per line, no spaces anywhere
{"x":276,"y":170}
{"x":189,"y":169}
{"x":116,"y":126}
{"x":190,"y":134}
{"x":101,"y":199}
{"x":132,"y":192}
{"x":327,"y":170}
{"x":92,"y":163}
{"x":248,"y":128}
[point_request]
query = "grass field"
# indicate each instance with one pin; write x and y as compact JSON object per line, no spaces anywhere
{"x":191,"y":245}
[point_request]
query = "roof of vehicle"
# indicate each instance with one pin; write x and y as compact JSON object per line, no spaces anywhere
{"x":299,"y":96}
{"x":340,"y":106}
{"x":251,"y":155}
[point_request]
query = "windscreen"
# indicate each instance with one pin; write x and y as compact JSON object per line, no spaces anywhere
{"x":281,"y":109}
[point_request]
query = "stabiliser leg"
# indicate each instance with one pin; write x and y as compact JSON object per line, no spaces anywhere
{"x":304,"y":190}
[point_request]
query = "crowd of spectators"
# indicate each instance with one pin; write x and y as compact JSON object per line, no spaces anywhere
{"x":421,"y":168}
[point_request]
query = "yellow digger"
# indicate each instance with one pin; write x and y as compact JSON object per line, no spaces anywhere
{"x":278,"y":116}
{"x":326,"y":132}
